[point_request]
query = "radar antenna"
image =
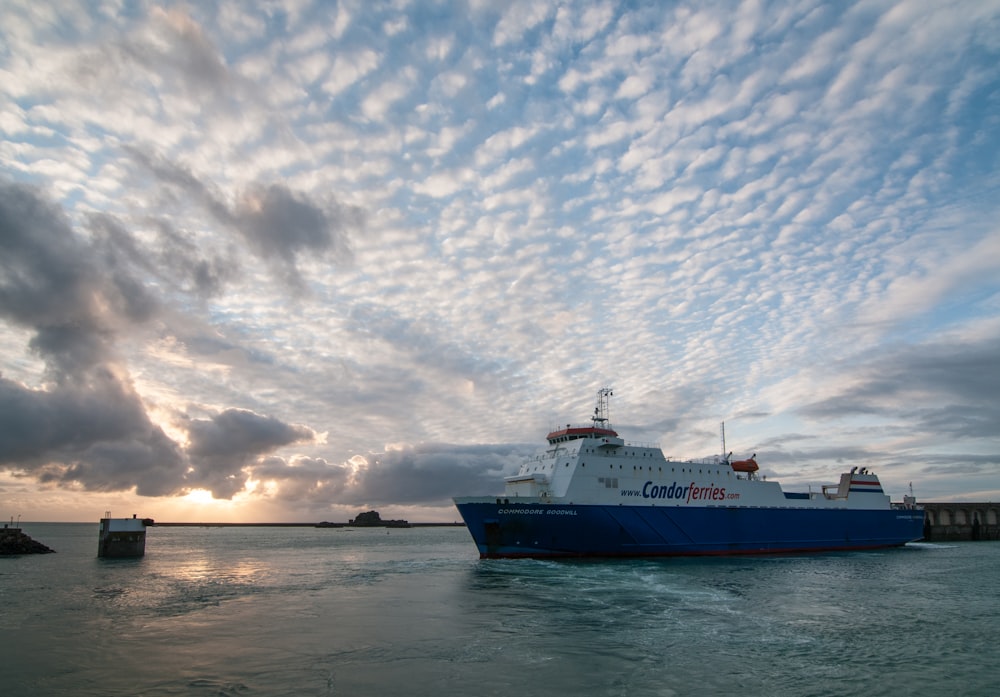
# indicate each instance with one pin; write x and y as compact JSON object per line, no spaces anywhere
{"x":602,"y":412}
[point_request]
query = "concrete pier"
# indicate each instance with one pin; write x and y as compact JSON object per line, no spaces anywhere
{"x":122,"y":537}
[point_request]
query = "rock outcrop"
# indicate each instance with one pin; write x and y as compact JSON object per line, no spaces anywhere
{"x":13,"y":541}
{"x":372,"y":519}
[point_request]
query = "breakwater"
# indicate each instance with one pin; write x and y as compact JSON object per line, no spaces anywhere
{"x":14,"y":541}
{"x":955,"y":521}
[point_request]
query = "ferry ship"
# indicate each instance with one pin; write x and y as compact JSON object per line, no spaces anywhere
{"x":591,"y":494}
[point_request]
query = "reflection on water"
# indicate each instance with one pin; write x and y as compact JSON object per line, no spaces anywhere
{"x":204,"y":570}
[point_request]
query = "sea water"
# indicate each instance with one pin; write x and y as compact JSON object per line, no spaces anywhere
{"x":336,"y":611}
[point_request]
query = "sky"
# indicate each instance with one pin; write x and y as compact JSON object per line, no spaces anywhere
{"x":297,"y":259}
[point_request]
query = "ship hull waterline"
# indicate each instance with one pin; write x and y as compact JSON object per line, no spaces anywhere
{"x":537,"y":529}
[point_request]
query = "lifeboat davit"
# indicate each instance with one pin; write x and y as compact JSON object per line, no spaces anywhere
{"x":745,"y":465}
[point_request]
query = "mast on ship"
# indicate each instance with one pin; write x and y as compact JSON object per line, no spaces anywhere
{"x":722,"y":430}
{"x":602,"y":412}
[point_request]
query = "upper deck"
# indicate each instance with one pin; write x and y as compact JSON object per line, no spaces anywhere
{"x":567,"y":434}
{"x":601,"y":427}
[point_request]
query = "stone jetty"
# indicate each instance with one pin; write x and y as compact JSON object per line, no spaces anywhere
{"x":14,"y":541}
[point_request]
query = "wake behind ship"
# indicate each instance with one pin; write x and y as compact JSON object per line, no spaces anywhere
{"x":589,"y":493}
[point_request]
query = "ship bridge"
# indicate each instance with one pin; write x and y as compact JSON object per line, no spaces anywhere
{"x":600,"y":428}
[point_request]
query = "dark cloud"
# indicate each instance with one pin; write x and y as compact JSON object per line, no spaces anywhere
{"x":57,"y":285}
{"x":95,"y":434}
{"x":223,"y":445}
{"x":126,"y":265}
{"x":192,"y":267}
{"x":652,"y":430}
{"x":280,"y":225}
{"x":784,"y":439}
{"x":304,"y":480}
{"x":957,"y":421}
{"x":146,"y":459}
{"x":434,"y":473}
{"x":174,"y":176}
{"x":800,"y":456}
{"x":277,"y":224}
{"x":944,"y":388}
{"x":88,"y":427}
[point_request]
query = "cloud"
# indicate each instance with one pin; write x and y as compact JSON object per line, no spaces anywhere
{"x":434,"y":472}
{"x":78,"y":299}
{"x":89,"y":427}
{"x":945,"y":275}
{"x":520,"y":17}
{"x":73,"y":299}
{"x":221,"y":447}
{"x":93,"y":433}
{"x":304,"y":481}
{"x":278,"y":224}
{"x":282,"y":225}
{"x":347,"y":70}
{"x":944,"y":387}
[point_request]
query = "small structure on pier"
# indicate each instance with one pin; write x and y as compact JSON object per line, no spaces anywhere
{"x":122,"y":537}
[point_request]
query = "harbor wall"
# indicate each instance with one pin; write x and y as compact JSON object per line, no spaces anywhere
{"x":961,"y":521}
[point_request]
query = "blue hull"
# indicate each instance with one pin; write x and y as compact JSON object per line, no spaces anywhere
{"x":553,"y":530}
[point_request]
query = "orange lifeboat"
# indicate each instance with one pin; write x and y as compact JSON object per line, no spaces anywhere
{"x":745,"y":465}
